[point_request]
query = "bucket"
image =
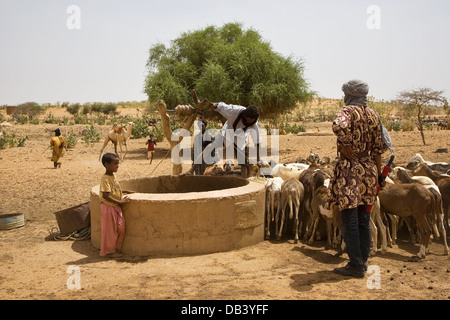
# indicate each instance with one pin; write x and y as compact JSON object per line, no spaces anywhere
{"x":73,"y":219}
{"x":11,"y":221}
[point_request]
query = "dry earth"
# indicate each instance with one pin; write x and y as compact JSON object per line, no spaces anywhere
{"x":34,"y":266}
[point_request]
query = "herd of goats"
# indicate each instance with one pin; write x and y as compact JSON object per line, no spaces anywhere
{"x":417,"y":195}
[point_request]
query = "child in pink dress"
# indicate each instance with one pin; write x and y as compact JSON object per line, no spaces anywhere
{"x":112,"y":221}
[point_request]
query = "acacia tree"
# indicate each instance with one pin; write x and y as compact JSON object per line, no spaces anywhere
{"x":418,"y":100}
{"x":31,"y":109}
{"x":225,"y":64}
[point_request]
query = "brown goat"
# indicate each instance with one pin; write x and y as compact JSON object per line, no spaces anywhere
{"x":407,"y":200}
{"x":443,"y":183}
{"x":218,"y":169}
{"x":292,"y":194}
{"x":307,"y":179}
{"x":330,"y":216}
{"x":444,"y":188}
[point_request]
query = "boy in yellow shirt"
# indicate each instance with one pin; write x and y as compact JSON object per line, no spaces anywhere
{"x":111,"y":197}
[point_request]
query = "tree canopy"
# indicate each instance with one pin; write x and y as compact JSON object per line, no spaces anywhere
{"x":226,"y":64}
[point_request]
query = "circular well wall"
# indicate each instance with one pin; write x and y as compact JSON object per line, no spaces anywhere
{"x":187,"y":215}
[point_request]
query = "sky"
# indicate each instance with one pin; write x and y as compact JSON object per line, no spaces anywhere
{"x":82,"y":51}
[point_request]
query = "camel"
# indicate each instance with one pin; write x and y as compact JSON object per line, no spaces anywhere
{"x":118,"y":134}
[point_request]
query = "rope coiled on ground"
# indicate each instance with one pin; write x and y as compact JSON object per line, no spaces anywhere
{"x":83,"y":234}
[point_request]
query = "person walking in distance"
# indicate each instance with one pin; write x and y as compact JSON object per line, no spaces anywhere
{"x":58,"y":144}
{"x":150,"y":148}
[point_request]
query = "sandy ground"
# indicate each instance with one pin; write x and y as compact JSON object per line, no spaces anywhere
{"x":34,"y":266}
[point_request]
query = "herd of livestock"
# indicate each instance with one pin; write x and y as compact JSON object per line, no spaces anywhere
{"x":417,"y":195}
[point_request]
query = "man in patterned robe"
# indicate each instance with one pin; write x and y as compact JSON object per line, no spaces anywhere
{"x":355,"y":181}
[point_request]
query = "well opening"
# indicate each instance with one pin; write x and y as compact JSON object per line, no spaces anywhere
{"x":185,"y":215}
{"x":183,"y":184}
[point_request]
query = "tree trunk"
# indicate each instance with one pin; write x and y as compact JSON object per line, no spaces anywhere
{"x":420,"y":126}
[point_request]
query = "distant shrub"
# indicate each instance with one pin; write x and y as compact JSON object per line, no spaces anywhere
{"x":50,"y":118}
{"x":71,"y":140}
{"x":21,"y":142}
{"x":34,"y":121}
{"x":294,"y":128}
{"x":91,"y":135}
{"x":86,"y":109}
{"x":96,"y":107}
{"x":394,"y":126}
{"x":31,"y":109}
{"x":100,"y":119}
{"x":81,"y":119}
{"x":7,"y":140}
{"x":22,"y":119}
{"x":427,"y":126}
{"x":140,"y":128}
{"x":73,"y":109}
{"x":408,"y":126}
{"x":157,"y":132}
{"x":109,"y":108}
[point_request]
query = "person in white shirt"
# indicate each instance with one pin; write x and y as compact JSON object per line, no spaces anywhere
{"x":241,"y":122}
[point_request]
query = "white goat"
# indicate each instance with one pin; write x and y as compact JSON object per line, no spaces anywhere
{"x":376,"y":224}
{"x":288,"y":171}
{"x":273,"y":195}
{"x":417,"y":159}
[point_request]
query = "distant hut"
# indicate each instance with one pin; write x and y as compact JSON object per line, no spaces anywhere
{"x":10,"y":110}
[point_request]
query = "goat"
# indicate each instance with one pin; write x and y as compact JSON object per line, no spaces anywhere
{"x":425,"y":170}
{"x":332,"y":218}
{"x":292,"y":194}
{"x":443,"y":183}
{"x":444,"y":188}
{"x":431,"y":185}
{"x":319,"y":198}
{"x":215,"y":169}
{"x":273,"y":195}
{"x":391,"y":229}
{"x":376,"y":224}
{"x":218,"y":169}
{"x":401,"y":175}
{"x":313,"y":158}
{"x":406,"y":200}
{"x":288,"y":171}
{"x":417,"y":160}
{"x":307,"y":179}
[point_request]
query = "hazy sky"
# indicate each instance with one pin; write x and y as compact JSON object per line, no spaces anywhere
{"x":50,"y":53}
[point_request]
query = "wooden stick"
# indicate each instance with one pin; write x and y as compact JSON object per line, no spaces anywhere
{"x":194,"y":96}
{"x":197,"y":103}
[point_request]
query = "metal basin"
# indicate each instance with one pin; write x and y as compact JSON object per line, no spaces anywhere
{"x":11,"y":221}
